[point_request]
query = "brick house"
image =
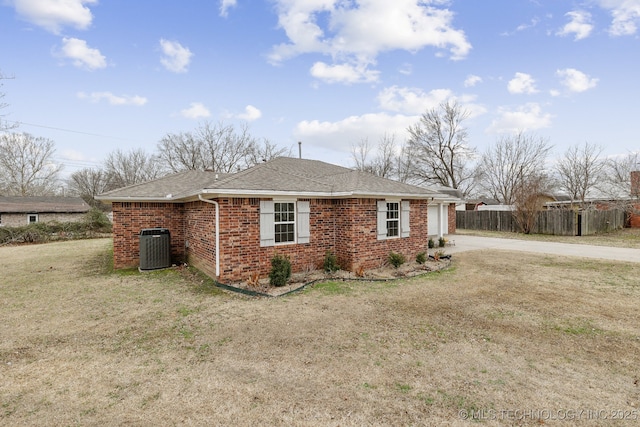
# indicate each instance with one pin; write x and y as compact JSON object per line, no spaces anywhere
{"x":18,"y":211}
{"x":230,"y":225}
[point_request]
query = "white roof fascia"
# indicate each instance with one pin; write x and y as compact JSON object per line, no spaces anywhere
{"x":269,"y":193}
{"x":316,"y":194}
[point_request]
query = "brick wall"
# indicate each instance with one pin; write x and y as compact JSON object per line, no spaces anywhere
{"x":345,"y":227}
{"x":348,"y":228}
{"x":241,"y":255}
{"x":452,"y":218}
{"x":635,"y":184}
{"x":360,"y":247}
{"x":130,"y":218}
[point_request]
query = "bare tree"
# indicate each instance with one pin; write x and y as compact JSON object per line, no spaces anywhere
{"x":580,"y":170}
{"x":26,"y":166}
{"x":616,"y":182}
{"x":263,"y":151}
{"x":182,"y":151}
{"x":512,"y":161}
{"x":88,"y":183}
{"x":218,"y":147}
{"x":618,"y":185}
{"x":226,"y":149}
{"x":128,"y":168}
{"x":385,"y":162}
{"x":527,"y":201}
{"x":4,"y":126}
{"x":438,"y":146}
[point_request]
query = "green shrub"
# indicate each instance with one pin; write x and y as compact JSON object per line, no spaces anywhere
{"x":40,"y":232}
{"x":34,"y":233}
{"x":421,"y":258}
{"x":441,"y":242}
{"x":96,"y":220}
{"x":396,"y":259}
{"x":330,"y":264}
{"x":431,"y":243}
{"x":280,"y":270}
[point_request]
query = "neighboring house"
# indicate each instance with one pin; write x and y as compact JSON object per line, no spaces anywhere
{"x":231,"y":225}
{"x":630,"y":202}
{"x":475,"y":204}
{"x":18,"y":211}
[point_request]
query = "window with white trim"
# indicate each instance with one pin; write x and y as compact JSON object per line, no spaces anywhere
{"x":284,"y":222}
{"x":393,"y":219}
{"x":32,"y":218}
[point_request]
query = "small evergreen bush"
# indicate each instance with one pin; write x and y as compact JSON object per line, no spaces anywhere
{"x":97,"y":220}
{"x":396,"y":259}
{"x":330,"y":264}
{"x":441,"y":242}
{"x":431,"y":243}
{"x":421,"y":258}
{"x":280,"y":270}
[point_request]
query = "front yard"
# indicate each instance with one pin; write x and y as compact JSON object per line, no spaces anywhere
{"x":514,"y":339}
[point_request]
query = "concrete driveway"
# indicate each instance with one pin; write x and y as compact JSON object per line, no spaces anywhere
{"x":472,"y":243}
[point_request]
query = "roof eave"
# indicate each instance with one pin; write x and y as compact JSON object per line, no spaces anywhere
{"x":273,"y":193}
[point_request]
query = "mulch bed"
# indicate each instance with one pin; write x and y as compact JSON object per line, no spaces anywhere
{"x":299,"y":281}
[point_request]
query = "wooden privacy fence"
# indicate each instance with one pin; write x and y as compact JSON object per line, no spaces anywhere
{"x":559,"y":222}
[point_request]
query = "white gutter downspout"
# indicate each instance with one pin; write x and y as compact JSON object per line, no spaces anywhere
{"x":213,"y":202}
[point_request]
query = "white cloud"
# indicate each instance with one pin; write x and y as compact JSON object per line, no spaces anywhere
{"x":113,"y":99}
{"x":522,"y":83}
{"x":534,"y":22}
{"x":53,"y":15}
{"x":576,"y":81}
{"x":472,"y":80}
{"x":196,"y":110}
{"x":343,"y":73}
{"x":81,"y":54}
{"x":625,"y":14}
{"x":356,"y":32}
{"x":522,"y":27}
{"x":73,"y":155}
{"x":527,"y":117}
{"x":406,"y":69}
{"x":341,"y":135}
{"x":225,"y":5}
{"x":176,"y":57}
{"x":250,"y":114}
{"x":411,"y":100}
{"x":579,"y":24}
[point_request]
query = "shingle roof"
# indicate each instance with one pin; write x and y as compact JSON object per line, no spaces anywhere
{"x":283,"y":175}
{"x":168,"y":187}
{"x":14,"y":204}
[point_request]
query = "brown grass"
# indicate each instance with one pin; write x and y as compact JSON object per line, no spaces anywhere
{"x":534,"y":335}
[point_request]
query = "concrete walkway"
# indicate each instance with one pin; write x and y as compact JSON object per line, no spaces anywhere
{"x":472,"y":243}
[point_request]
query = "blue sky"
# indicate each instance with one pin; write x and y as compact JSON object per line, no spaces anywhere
{"x":98,"y":75}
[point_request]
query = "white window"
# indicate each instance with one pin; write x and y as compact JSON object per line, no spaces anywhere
{"x":393,"y":219}
{"x":284,"y":219}
{"x":32,"y":218}
{"x":284,"y":222}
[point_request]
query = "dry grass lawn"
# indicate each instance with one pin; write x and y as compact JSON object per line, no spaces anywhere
{"x":507,"y":338}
